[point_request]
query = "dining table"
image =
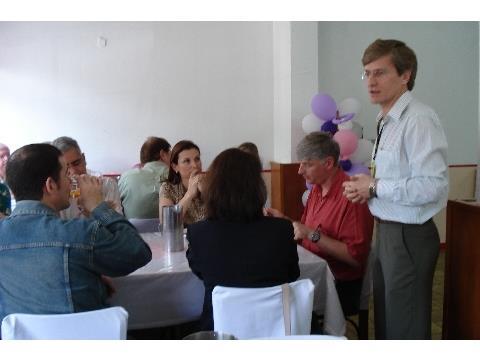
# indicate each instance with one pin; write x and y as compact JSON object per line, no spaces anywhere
{"x":165,"y":292}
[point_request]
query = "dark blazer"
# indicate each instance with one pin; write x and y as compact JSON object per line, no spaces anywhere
{"x":261,"y":253}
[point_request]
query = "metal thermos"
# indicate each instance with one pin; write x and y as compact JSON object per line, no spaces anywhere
{"x":172,"y":227}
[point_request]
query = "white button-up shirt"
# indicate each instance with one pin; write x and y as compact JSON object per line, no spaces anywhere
{"x":411,"y":164}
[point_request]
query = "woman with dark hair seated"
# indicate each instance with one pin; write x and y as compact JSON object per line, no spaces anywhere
{"x":183,"y":186}
{"x":237,"y":245}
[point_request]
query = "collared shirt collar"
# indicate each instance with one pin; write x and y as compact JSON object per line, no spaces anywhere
{"x":32,"y":207}
{"x":398,"y":108}
{"x":337,"y":182}
{"x":155,"y":165}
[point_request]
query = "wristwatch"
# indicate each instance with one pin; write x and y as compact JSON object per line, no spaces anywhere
{"x":314,"y":236}
{"x":372,"y":189}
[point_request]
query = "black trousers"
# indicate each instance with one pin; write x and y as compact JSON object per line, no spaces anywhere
{"x":349,"y":295}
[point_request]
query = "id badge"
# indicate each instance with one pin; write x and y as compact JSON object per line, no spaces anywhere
{"x":373,"y":169}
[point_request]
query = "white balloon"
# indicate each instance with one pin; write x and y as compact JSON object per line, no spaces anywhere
{"x":363,"y":153}
{"x":349,"y":105}
{"x":347,"y":125}
{"x":311,"y":123}
{"x":305,"y":197}
{"x":357,"y":128}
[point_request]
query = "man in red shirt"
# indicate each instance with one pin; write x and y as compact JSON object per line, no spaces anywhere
{"x":332,"y":227}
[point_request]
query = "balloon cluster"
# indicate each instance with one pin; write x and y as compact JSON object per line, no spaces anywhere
{"x":326,"y":116}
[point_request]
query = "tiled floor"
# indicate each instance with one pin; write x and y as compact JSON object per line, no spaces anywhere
{"x":437,"y":305}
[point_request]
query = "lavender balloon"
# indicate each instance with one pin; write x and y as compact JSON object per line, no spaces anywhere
{"x":358,"y":169}
{"x":324,"y":106}
{"x":308,"y":185}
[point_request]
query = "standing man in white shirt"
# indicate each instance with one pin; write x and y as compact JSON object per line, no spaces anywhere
{"x":77,"y":165}
{"x":407,"y":187}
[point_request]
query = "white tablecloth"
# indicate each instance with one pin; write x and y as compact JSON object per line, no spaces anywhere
{"x":165,"y":291}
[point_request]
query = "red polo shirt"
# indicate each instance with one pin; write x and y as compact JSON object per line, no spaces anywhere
{"x":342,"y":220}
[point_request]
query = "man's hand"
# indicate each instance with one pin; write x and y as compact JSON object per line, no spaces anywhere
{"x":301,"y":231}
{"x":107,"y":281}
{"x":274,"y":213}
{"x":90,"y":192}
{"x":357,"y":189}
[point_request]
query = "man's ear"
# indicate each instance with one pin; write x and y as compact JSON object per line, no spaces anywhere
{"x":406,"y":76}
{"x":164,"y":156}
{"x":329,"y":162}
{"x":50,"y":186}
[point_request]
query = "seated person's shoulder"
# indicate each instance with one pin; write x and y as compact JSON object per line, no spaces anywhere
{"x":167,"y":189}
{"x":277,"y":221}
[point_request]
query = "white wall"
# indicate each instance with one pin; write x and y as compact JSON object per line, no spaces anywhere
{"x":282,"y":91}
{"x":447,"y":78}
{"x":304,"y":76}
{"x":210,"y":82}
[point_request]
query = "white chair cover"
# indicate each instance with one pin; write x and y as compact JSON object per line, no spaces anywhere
{"x":105,"y":324}
{"x":249,"y":313}
{"x":146,"y":225}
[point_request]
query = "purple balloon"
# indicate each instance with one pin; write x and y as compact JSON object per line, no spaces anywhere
{"x":324,"y":106}
{"x":308,"y":185}
{"x":330,"y":127}
{"x":346,"y":165}
{"x":358,"y":169}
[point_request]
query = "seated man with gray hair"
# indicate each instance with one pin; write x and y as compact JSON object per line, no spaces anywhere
{"x":331,"y":226}
{"x":77,"y":165}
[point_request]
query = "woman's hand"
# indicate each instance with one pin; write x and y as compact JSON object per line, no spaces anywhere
{"x":193,"y":184}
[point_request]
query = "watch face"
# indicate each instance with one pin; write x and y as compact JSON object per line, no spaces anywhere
{"x":315,"y":236}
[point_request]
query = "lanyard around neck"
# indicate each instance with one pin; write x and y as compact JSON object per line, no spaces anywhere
{"x":380,"y":126}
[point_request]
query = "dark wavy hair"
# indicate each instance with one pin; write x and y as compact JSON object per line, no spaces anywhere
{"x":182,"y":145}
{"x":234,"y":187}
{"x":29,"y":168}
{"x":151,"y":148}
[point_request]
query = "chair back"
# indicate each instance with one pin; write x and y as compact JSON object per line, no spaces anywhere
{"x":304,"y":337}
{"x":146,"y":225}
{"x":249,"y":313}
{"x":105,"y":324}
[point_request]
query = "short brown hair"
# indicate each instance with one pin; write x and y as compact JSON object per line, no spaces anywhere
{"x":151,"y":148}
{"x":402,"y":56}
{"x":234,"y":187}
{"x":182,"y":145}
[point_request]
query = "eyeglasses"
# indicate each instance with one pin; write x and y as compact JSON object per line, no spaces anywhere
{"x":375,"y":74}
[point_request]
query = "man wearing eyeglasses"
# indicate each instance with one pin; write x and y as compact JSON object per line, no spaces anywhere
{"x":407,"y":187}
{"x":77,"y":165}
